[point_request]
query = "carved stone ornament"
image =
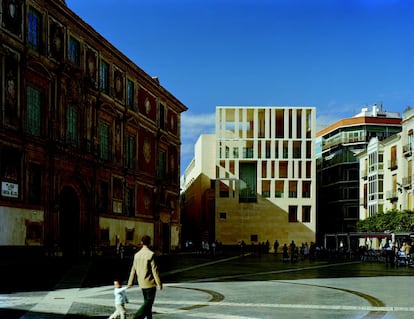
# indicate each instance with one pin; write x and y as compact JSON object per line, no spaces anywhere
{"x":147,"y":106}
{"x":147,"y":202}
{"x":56,"y":40}
{"x":12,"y":16}
{"x":172,"y":162}
{"x":75,"y":90}
{"x":147,"y":150}
{"x":118,"y":84}
{"x":172,"y":122}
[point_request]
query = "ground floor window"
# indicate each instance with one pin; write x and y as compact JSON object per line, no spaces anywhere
{"x":293,"y":214}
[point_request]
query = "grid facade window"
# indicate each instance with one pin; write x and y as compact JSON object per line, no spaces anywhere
{"x":162,"y":116}
{"x":104,"y":197}
{"x":306,"y":214}
{"x":34,"y":22}
{"x":161,"y":171}
{"x":130,"y":95}
{"x":104,"y":141}
{"x":247,"y":152}
{"x":74,"y":51}
{"x":248,"y":178}
{"x":35,"y":184}
{"x":130,"y":152}
{"x":72,"y":126}
{"x":104,"y":77}
{"x":293,"y":214}
{"x":33,"y":120}
{"x":130,"y":200}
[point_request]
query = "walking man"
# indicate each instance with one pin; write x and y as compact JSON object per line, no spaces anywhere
{"x":146,"y":269}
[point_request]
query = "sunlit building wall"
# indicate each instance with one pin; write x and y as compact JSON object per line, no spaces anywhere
{"x":89,"y":142}
{"x":386,"y":172}
{"x":338,"y":170}
{"x":265,"y":174}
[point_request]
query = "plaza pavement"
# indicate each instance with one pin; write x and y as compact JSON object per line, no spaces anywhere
{"x":234,"y":287}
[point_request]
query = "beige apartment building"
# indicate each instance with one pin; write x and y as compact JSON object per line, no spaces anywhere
{"x":386,"y":171}
{"x":264,"y":175}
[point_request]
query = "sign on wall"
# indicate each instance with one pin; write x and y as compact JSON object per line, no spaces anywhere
{"x":9,"y":189}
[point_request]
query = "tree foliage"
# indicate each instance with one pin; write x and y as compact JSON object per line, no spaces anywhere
{"x":391,"y":221}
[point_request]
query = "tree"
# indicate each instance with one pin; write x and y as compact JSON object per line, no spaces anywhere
{"x":391,"y":221}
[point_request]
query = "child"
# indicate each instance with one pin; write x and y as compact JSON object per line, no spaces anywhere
{"x":120,"y":300}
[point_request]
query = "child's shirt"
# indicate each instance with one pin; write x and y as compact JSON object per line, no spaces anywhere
{"x":120,"y":296}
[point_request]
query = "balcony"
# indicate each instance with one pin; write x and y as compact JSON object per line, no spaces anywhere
{"x":407,"y":182}
{"x":392,"y":195}
{"x":392,"y":165}
{"x":364,"y":175}
{"x":342,"y":138}
{"x":407,"y":150}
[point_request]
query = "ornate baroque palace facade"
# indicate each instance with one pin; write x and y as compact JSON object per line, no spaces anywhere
{"x":89,"y":143}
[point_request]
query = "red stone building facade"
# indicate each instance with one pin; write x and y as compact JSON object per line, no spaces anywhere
{"x":89,"y":143}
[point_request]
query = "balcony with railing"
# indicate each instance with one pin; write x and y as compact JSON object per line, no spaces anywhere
{"x":364,"y":174}
{"x":392,"y":164}
{"x":407,"y":182}
{"x":342,"y":138}
{"x":363,"y":202}
{"x":407,"y":150}
{"x":392,"y":195}
{"x":247,"y":152}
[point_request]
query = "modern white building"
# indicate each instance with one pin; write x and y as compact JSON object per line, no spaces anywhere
{"x":265,"y":174}
{"x":264,"y":177}
{"x":197,"y":193}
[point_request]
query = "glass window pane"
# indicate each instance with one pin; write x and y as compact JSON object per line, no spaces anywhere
{"x":74,"y":51}
{"x":34,"y":23}
{"x":130,"y":152}
{"x":104,"y":141}
{"x":72,"y":126}
{"x":248,"y":180}
{"x":130,"y":95}
{"x":33,"y":111}
{"x":104,"y":77}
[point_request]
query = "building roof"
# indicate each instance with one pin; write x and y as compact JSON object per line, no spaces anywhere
{"x":362,"y":120}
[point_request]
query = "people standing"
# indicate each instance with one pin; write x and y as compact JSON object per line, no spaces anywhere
{"x":275,"y":246}
{"x":120,"y":300}
{"x":285,"y":255}
{"x":146,"y":269}
{"x":292,"y":251}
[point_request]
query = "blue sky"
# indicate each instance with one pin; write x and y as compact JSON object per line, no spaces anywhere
{"x":336,"y":55}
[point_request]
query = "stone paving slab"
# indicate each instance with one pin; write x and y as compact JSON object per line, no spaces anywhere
{"x":231,"y":297}
{"x":311,"y":298}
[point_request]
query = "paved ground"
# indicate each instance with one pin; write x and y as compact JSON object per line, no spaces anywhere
{"x":227,"y":287}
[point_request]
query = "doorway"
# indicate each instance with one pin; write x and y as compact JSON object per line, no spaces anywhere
{"x":165,"y":238}
{"x":69,"y":221}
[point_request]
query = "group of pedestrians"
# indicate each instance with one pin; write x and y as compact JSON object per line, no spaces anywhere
{"x":292,"y":252}
{"x":396,"y":254}
{"x":145,"y":268}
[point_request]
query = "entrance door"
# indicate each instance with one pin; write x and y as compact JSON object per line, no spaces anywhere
{"x":165,"y":238}
{"x":69,"y":224}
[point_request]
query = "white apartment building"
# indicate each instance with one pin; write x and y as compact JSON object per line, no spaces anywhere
{"x":386,"y":171}
{"x":265,"y":174}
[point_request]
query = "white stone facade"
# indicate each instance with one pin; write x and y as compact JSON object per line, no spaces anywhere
{"x":265,"y":174}
{"x":386,"y":172}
